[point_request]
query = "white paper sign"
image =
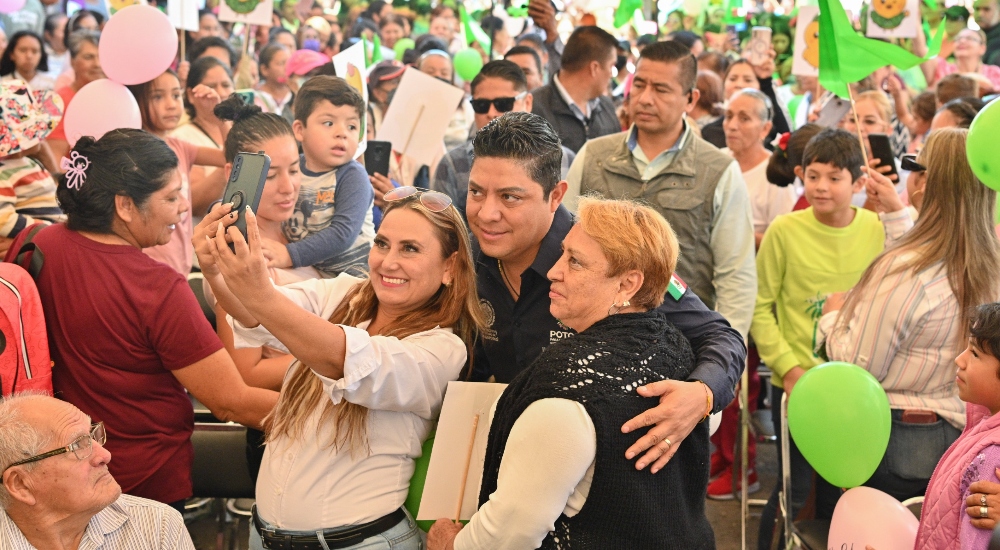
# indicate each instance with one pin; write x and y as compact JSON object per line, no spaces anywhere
{"x":893,"y":19}
{"x":261,"y":15}
{"x":806,"y":60}
{"x":462,"y":402}
{"x":183,"y":14}
{"x":419,"y":114}
{"x":355,"y":55}
{"x":355,"y":76}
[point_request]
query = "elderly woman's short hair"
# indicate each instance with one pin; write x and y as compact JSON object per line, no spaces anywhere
{"x":633,"y":236}
{"x":765,"y":109}
{"x":81,"y":37}
{"x":18,"y":439}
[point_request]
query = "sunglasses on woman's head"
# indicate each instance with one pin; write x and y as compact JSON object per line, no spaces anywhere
{"x":503,"y":104}
{"x":910,"y":164}
{"x":431,"y":200}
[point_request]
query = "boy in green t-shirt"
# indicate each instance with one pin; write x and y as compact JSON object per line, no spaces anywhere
{"x":804,"y":257}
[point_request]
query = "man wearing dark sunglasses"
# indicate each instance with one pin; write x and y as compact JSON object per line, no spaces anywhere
{"x":57,"y":491}
{"x":500,"y":87}
{"x":515,"y":214}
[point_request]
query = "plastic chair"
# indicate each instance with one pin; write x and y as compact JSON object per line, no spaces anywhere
{"x":220,"y":473}
{"x":201,"y":412}
{"x":915,"y":505}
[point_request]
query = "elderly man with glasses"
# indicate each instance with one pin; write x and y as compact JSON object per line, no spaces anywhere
{"x":57,"y":492}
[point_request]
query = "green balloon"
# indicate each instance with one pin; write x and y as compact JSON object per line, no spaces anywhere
{"x":839,"y":417}
{"x":402,"y":45}
{"x":412,"y":503}
{"x":980,"y":147}
{"x":468,"y":63}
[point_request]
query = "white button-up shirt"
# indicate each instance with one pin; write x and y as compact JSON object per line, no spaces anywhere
{"x":307,"y":484}
{"x":129,"y":523}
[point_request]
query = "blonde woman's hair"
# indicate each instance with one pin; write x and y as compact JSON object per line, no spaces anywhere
{"x":955,"y":228}
{"x":881,"y":102}
{"x":633,"y":236}
{"x":456,"y":306}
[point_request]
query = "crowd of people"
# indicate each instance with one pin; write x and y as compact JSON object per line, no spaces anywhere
{"x":614,"y":225}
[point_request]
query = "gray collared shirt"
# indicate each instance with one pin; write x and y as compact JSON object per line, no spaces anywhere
{"x":650,"y":168}
{"x":129,"y":523}
{"x":591,"y":105}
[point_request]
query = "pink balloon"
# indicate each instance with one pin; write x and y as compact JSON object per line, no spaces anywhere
{"x":10,"y":6}
{"x":98,"y":108}
{"x":137,"y":45}
{"x":866,"y":516}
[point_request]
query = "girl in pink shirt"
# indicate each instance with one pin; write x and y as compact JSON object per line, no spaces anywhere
{"x":161,"y":104}
{"x":945,"y":521}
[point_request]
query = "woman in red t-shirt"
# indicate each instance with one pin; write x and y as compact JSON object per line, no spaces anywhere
{"x":126,"y":332}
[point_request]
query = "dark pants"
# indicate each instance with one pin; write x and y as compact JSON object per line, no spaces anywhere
{"x":801,"y":481}
{"x":914,"y":451}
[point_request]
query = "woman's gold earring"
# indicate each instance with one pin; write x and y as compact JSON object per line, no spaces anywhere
{"x":626,"y":303}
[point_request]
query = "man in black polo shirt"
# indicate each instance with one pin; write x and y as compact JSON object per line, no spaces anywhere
{"x":514,"y":212}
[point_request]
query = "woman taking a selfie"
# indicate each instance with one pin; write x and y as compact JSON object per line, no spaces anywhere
{"x":374,"y":358}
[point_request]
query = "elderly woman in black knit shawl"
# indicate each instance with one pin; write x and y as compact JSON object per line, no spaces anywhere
{"x":554,"y":475}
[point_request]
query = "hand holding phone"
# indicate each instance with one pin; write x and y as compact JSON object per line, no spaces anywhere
{"x":245,"y":185}
{"x":882,"y":151}
{"x":882,"y":192}
{"x":543,"y":13}
{"x":377,"y":157}
{"x":758,"y":50}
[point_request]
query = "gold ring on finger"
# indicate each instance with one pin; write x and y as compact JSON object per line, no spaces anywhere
{"x":983,"y":512}
{"x":667,"y":441}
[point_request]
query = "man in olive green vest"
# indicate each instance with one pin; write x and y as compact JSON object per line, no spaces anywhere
{"x":697,"y":188}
